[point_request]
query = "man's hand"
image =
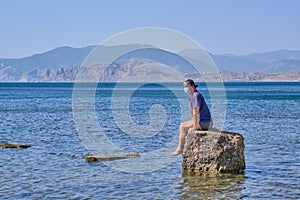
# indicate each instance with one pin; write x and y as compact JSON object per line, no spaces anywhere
{"x":197,"y":127}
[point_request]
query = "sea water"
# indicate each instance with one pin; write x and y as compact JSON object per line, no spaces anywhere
{"x":40,"y":114}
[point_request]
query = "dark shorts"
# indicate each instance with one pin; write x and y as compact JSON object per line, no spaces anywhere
{"x":206,"y":125}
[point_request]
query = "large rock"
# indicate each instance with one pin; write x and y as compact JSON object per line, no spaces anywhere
{"x":213,"y":151}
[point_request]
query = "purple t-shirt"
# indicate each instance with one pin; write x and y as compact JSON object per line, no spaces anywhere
{"x":197,"y":100}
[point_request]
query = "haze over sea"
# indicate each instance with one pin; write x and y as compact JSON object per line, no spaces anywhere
{"x":40,"y":114}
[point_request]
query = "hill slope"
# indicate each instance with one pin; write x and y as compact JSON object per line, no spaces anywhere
{"x":62,"y":63}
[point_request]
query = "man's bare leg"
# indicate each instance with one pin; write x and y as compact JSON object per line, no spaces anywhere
{"x":184,"y":127}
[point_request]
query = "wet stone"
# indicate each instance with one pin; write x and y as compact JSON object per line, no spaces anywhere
{"x":99,"y":158}
{"x":13,"y":146}
{"x":213,"y":151}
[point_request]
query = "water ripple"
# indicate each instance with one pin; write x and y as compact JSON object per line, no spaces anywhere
{"x":54,"y":166}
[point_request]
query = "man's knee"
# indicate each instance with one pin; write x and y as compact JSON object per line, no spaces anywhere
{"x":185,"y":125}
{"x":182,"y":125}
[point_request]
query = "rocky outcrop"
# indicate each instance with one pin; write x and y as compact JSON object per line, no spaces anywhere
{"x":213,"y":151}
{"x":116,"y":71}
{"x":12,"y":146}
{"x":98,"y":158}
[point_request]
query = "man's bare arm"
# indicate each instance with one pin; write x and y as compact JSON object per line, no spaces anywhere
{"x":195,"y":119}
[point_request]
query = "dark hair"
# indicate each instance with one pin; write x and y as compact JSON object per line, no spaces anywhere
{"x":191,"y":83}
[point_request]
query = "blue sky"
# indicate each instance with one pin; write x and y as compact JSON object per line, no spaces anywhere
{"x":231,"y":26}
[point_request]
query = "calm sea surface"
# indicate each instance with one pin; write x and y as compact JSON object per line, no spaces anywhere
{"x":40,"y":114}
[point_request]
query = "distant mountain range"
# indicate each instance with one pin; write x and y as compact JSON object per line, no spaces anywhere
{"x":62,"y":64}
{"x":270,"y":62}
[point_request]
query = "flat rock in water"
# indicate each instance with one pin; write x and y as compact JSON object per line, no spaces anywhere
{"x":98,"y":158}
{"x":11,"y":146}
{"x":213,"y":151}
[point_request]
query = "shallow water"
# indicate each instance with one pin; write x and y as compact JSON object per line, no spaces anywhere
{"x":266,"y":114}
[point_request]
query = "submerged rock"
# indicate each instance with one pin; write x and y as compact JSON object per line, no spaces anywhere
{"x":98,"y":158}
{"x":19,"y":146}
{"x":213,"y":151}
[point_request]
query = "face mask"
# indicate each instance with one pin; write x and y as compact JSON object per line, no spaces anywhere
{"x":186,"y":90}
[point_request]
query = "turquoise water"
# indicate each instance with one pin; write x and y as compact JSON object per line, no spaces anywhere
{"x":40,"y":114}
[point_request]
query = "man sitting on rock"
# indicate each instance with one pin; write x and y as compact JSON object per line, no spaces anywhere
{"x":201,"y":117}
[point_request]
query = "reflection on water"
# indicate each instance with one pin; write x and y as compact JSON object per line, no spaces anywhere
{"x":210,"y":186}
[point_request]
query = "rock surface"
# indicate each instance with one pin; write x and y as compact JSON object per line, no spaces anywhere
{"x":213,"y":151}
{"x":9,"y":146}
{"x":98,"y":158}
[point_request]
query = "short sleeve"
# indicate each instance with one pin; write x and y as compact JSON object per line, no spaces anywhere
{"x":195,"y":101}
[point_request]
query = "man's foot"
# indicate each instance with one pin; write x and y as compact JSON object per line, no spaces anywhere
{"x":177,"y":152}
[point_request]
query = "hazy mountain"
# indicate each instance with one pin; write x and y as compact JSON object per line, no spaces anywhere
{"x":284,"y":65}
{"x":270,"y":62}
{"x":238,"y":63}
{"x":61,"y":57}
{"x":274,"y":56}
{"x":62,"y":63}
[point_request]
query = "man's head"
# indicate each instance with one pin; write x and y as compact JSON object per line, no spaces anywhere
{"x":190,"y":82}
{"x":189,"y":86}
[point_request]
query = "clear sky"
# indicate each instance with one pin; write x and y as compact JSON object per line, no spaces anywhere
{"x":229,"y":26}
